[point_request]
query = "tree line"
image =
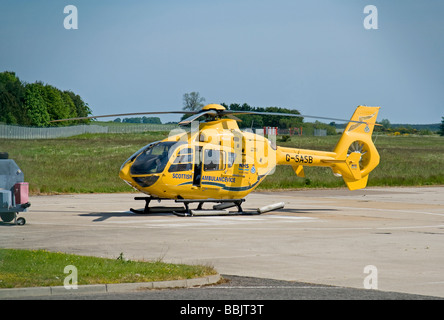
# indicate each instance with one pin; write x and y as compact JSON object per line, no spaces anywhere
{"x":256,"y":120}
{"x":401,"y":129}
{"x":441,"y":127}
{"x":150,"y":120}
{"x":36,"y":104}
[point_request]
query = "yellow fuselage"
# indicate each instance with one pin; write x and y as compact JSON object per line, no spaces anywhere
{"x":215,"y":160}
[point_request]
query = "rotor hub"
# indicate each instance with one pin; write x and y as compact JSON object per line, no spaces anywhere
{"x":213,"y":106}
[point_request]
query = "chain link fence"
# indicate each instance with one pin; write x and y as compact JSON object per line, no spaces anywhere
{"x":19,"y":132}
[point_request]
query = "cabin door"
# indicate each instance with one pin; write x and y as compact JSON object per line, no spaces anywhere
{"x":197,"y":176}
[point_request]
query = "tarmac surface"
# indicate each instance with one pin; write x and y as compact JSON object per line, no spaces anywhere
{"x":237,"y":288}
{"x":388,"y":238}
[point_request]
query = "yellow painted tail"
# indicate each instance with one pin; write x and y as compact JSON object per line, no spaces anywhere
{"x":356,"y":155}
{"x":353,"y":158}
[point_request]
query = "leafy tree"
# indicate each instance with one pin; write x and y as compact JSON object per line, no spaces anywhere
{"x":255,"y":120}
{"x":82,"y":108}
{"x":8,"y":105}
{"x":12,"y":93}
{"x":193,"y":101}
{"x":69,"y":105}
{"x":441,"y":127}
{"x":31,"y":104}
{"x":35,"y":106}
{"x":283,"y":122}
{"x":153,"y":120}
{"x":385,"y":123}
{"x":131,"y":120}
{"x":55,"y":104}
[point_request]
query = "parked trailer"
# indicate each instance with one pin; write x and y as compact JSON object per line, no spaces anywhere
{"x":13,"y":191}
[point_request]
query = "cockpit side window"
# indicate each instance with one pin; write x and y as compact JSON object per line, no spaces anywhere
{"x":183,"y":161}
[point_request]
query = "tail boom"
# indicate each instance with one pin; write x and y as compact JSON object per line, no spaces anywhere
{"x":353,"y":158}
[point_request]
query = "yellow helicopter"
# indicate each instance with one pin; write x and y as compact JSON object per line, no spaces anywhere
{"x":214,"y":161}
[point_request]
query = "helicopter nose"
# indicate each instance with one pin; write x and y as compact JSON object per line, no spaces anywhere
{"x":124,"y":173}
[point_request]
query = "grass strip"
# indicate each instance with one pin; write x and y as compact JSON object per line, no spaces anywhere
{"x":35,"y":268}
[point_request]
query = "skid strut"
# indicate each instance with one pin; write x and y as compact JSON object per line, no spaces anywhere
{"x":199,"y":211}
{"x":149,"y":209}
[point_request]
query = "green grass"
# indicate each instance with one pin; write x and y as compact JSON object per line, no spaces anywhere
{"x":83,"y":164}
{"x":405,"y":161}
{"x":30,"y":268}
{"x":90,"y":163}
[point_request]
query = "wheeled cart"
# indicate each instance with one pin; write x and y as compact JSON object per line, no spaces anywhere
{"x":13,"y":191}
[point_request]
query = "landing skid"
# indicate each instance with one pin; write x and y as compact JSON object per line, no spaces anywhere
{"x":148,"y":209}
{"x":186,"y":211}
{"x":218,"y":210}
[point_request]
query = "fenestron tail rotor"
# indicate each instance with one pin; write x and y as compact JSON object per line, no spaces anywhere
{"x":362,"y":149}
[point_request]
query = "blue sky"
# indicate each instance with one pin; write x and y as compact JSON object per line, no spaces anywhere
{"x":314,"y":56}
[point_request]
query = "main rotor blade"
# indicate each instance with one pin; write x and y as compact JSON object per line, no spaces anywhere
{"x":291,"y":115}
{"x":233,"y":117}
{"x":127,"y":114}
{"x":198,"y":115}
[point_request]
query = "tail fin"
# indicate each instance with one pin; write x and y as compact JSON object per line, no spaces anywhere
{"x":356,"y":155}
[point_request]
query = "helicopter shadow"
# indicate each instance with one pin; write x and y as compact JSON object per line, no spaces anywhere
{"x":103,"y":216}
{"x":166,"y":211}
